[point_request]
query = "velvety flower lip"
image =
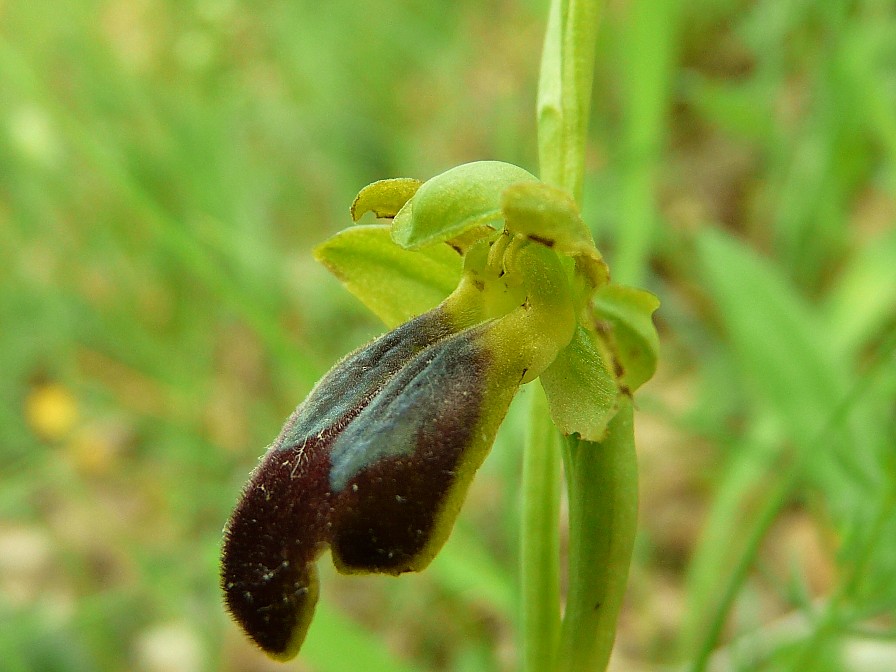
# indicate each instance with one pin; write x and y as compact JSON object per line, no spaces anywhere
{"x":398,"y":412}
{"x":381,"y":487}
{"x":283,"y":519}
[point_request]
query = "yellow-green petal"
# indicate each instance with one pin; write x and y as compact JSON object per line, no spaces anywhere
{"x":632,"y":335}
{"x":385,"y":197}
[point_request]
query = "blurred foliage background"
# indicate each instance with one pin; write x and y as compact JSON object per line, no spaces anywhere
{"x":166,"y":168}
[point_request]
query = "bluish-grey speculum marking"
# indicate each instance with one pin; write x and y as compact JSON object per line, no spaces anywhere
{"x":435,"y":384}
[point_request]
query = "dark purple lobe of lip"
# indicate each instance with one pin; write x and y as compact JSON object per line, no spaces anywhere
{"x":277,"y":531}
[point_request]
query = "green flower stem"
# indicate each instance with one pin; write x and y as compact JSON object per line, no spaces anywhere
{"x":603,"y":513}
{"x":602,"y":477}
{"x":539,"y":559}
{"x":564,"y":92}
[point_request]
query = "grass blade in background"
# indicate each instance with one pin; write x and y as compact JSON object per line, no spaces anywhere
{"x":796,"y":382}
{"x":789,"y":365}
{"x":337,"y":644}
{"x":647,"y":47}
{"x":863,"y":303}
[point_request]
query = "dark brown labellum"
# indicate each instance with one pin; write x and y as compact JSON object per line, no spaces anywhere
{"x":367,"y":465}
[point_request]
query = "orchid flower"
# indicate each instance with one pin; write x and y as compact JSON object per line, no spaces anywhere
{"x":375,"y":463}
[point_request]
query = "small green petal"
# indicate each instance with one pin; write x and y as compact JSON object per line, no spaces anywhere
{"x":581,"y":387}
{"x":450,"y":204}
{"x":545,"y":214}
{"x":385,"y":197}
{"x":394,"y":283}
{"x":632,"y":335}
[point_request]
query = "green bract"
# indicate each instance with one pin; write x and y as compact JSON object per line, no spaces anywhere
{"x":494,"y":280}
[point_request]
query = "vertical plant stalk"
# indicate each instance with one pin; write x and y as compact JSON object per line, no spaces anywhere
{"x":540,"y":542}
{"x":564,"y":92}
{"x":564,"y":98}
{"x":603,"y":514}
{"x":601,"y":477}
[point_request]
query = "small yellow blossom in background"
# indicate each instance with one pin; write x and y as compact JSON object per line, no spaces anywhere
{"x":51,"y":411}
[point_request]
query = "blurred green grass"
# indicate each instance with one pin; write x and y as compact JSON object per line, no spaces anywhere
{"x":165,"y":170}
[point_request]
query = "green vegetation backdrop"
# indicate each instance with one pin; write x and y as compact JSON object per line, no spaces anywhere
{"x":166,"y":168}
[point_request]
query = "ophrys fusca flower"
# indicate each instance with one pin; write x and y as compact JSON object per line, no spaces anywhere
{"x":375,"y":463}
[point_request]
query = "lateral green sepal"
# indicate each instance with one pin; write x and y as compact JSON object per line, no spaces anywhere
{"x":459,"y":200}
{"x":384,"y":198}
{"x":394,"y":283}
{"x":581,"y":387}
{"x":626,"y":312}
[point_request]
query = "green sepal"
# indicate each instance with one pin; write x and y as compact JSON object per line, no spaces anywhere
{"x":625,"y":313}
{"x":394,"y":283}
{"x":385,"y":197}
{"x":581,"y":387}
{"x":549,"y":216}
{"x":459,"y":200}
